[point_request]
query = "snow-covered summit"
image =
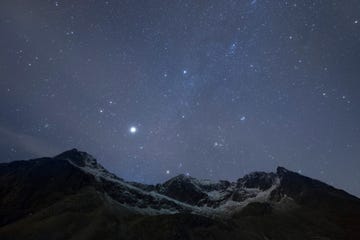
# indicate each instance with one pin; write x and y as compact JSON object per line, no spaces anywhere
{"x":87,"y":163}
{"x":187,"y":194}
{"x":178,"y":194}
{"x":74,"y":182}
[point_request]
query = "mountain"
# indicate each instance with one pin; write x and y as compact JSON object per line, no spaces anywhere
{"x":71,"y":196}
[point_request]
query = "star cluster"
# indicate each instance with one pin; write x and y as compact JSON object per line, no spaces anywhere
{"x":211,"y":89}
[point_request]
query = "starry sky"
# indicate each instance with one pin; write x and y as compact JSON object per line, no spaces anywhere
{"x":211,"y":89}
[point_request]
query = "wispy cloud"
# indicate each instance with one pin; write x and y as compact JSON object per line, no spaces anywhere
{"x":27,"y":143}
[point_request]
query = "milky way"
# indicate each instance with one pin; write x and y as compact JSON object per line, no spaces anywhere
{"x":212,"y":89}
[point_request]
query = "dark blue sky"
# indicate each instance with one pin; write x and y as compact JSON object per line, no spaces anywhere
{"x":214,"y":89}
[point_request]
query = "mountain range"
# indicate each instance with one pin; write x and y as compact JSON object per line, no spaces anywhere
{"x":71,"y":196}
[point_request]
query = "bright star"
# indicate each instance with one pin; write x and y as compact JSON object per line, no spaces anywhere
{"x":185,"y":71}
{"x":133,"y":130}
{"x":167,"y":171}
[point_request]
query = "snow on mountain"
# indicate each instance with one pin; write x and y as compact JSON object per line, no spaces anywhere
{"x":129,"y":195}
{"x":181,"y":193}
{"x":75,"y":184}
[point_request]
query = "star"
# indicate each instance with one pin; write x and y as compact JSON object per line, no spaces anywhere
{"x":133,"y":129}
{"x":217,"y":144}
{"x":175,"y":100}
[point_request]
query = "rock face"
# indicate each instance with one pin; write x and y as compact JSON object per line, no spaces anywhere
{"x":183,"y":189}
{"x":71,"y":196}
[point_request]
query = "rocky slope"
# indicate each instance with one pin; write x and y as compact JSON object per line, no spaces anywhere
{"x":71,"y":196}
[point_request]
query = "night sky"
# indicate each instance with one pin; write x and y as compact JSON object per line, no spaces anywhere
{"x":212,"y":89}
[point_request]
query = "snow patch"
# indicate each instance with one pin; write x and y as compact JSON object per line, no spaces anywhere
{"x":159,"y":204}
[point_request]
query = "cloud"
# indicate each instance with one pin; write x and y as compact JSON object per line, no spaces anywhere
{"x":27,"y":143}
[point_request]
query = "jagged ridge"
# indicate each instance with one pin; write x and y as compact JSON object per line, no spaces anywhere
{"x":28,"y":187}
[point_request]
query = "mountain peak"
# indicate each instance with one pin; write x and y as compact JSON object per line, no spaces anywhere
{"x":66,"y":181}
{"x":281,"y":170}
{"x":70,"y":152}
{"x":79,"y":158}
{"x":260,"y":180}
{"x":180,"y":177}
